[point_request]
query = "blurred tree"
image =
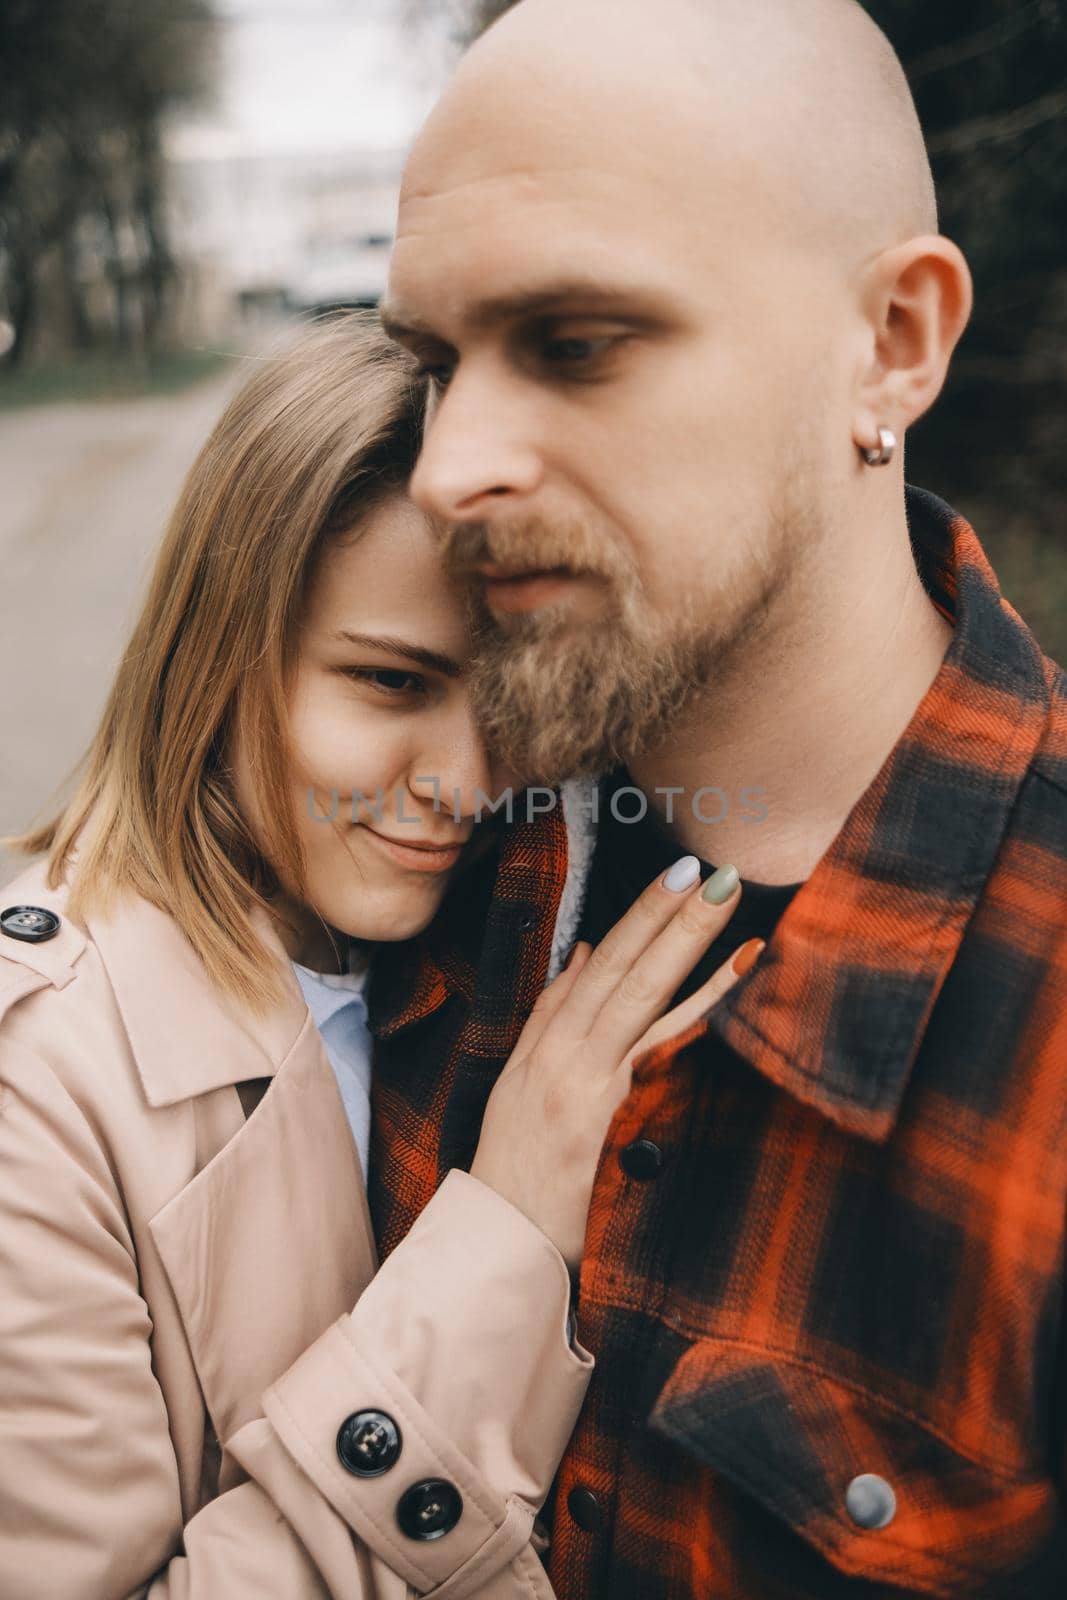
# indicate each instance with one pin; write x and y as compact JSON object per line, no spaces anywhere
{"x":990,"y":82}
{"x":483,"y":12}
{"x":86,"y":85}
{"x":461,"y":20}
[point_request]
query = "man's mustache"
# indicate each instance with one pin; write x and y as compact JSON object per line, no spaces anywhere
{"x":520,"y":547}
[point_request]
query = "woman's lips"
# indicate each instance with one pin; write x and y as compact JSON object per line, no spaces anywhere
{"x":418,"y":857}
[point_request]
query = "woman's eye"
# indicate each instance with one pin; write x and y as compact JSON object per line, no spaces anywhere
{"x":388,"y":680}
{"x":436,"y":373}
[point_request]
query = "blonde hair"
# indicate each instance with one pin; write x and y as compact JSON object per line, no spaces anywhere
{"x":314,"y":441}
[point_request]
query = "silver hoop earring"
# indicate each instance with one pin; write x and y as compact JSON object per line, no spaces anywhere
{"x":882,"y":455}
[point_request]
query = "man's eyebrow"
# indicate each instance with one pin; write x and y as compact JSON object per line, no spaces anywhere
{"x":592,"y":293}
{"x":431,"y":659}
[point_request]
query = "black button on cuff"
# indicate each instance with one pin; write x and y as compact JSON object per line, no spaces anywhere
{"x":584,"y":1508}
{"x":641,"y":1159}
{"x":32,"y":924}
{"x":429,"y":1509}
{"x":368,"y":1443}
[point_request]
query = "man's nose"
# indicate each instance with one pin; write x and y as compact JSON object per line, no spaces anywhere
{"x":477,"y":452}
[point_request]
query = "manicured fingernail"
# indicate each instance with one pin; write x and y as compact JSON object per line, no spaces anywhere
{"x":682,"y":875}
{"x":720,"y":886}
{"x":745,"y":956}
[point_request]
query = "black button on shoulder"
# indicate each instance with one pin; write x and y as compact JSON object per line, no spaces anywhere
{"x":33,"y":924}
{"x":641,"y":1159}
{"x":429,"y":1509}
{"x":584,"y":1508}
{"x":368,"y":1443}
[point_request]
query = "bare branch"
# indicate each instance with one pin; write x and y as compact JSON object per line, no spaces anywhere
{"x":1000,"y":128}
{"x":975,"y":44}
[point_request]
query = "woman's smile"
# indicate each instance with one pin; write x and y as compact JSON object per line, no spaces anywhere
{"x":416,"y":857}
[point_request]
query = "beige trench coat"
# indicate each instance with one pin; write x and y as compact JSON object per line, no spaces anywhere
{"x":191,"y":1305}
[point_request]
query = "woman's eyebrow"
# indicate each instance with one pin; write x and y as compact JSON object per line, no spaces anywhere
{"x":430,"y":659}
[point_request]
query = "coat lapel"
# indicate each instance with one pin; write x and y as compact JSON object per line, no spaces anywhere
{"x":270,"y":1240}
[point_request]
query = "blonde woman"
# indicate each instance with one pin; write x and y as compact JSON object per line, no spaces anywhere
{"x":208,"y":1389}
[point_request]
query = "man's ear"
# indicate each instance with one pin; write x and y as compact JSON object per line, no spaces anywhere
{"x":917,"y":299}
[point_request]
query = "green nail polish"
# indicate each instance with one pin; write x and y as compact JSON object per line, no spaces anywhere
{"x":720,"y":886}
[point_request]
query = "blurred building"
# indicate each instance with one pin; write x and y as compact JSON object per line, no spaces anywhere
{"x":262,"y":234}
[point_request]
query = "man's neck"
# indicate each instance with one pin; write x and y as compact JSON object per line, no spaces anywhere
{"x":808,"y":718}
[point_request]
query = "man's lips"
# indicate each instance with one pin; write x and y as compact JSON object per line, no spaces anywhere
{"x":508,"y":590}
{"x":421,"y":857}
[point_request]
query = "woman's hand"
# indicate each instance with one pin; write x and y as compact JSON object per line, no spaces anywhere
{"x":550,"y":1109}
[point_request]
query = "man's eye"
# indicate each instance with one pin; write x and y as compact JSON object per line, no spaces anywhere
{"x":574,"y":352}
{"x":388,"y":680}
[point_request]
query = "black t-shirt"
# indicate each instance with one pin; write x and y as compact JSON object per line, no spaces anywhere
{"x":629,"y":854}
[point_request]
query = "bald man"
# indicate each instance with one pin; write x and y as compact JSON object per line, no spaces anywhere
{"x":674,"y":277}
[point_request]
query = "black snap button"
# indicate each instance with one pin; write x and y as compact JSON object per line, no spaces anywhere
{"x":429,"y":1509}
{"x":31,"y":923}
{"x":368,"y":1442}
{"x":641,"y":1159}
{"x":584,"y":1508}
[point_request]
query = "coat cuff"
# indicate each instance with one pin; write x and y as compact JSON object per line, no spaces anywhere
{"x":461,"y":1340}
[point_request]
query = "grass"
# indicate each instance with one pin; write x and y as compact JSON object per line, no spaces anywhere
{"x":107,"y":377}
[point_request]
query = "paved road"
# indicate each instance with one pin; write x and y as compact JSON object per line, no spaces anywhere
{"x":86,"y":490}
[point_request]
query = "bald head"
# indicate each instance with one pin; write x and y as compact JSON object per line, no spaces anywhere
{"x":671,"y":265}
{"x":798,"y":107}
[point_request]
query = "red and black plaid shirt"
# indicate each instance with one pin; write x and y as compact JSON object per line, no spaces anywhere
{"x":851,"y":1260}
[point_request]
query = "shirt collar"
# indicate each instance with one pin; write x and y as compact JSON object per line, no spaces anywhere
{"x":520,"y":881}
{"x":327,"y":993}
{"x":836,"y":1008}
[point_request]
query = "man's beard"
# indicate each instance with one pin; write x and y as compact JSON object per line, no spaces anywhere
{"x":560,"y":696}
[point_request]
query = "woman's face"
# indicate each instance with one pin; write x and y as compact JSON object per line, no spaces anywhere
{"x":388,"y":770}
